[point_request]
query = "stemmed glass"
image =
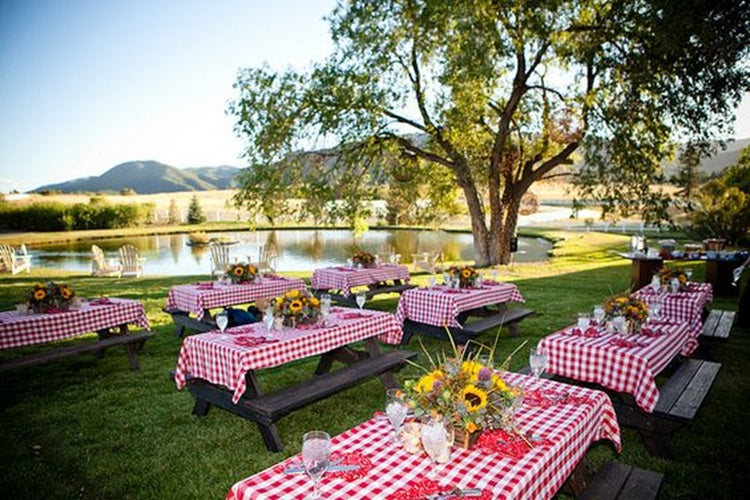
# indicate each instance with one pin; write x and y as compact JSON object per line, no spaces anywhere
{"x":316,"y":451}
{"x":583,"y":321}
{"x":325,"y":306}
{"x":268,"y":319}
{"x":437,"y":440}
{"x":538,"y":362}
{"x":432,"y":280}
{"x":361,"y":299}
{"x":599,"y":315}
{"x":396,"y":410}
{"x":689,"y":274}
{"x":222,"y":320}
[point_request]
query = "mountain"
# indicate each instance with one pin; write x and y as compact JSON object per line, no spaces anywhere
{"x":148,"y":177}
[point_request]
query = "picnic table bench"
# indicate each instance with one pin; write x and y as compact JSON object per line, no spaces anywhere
{"x":616,"y":481}
{"x":718,"y":325}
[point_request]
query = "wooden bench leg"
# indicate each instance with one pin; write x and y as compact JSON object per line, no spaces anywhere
{"x":580,"y":478}
{"x":513,"y":328}
{"x":179,"y":331}
{"x":271,"y":437}
{"x":132,"y":351}
{"x":201,"y":407}
{"x":386,"y":378}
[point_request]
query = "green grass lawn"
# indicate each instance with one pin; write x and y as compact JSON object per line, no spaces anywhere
{"x":91,"y":428}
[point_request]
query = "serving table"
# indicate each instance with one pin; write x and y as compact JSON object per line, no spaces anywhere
{"x":430,"y":311}
{"x":562,"y":429}
{"x":109,"y":318}
{"x":339,"y":281}
{"x":219,"y":368}
{"x":199,"y":298}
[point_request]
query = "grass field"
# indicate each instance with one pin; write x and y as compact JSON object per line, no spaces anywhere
{"x":87,"y":428}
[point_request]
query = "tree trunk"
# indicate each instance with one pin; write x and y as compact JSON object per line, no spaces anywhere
{"x":478,"y":226}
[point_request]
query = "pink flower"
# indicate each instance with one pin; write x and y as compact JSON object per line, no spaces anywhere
{"x":484,"y":374}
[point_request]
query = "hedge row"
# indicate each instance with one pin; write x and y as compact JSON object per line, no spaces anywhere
{"x":62,"y":217}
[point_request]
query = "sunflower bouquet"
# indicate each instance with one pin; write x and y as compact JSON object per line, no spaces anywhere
{"x":666,"y":276}
{"x":462,"y":392}
{"x":633,"y":309}
{"x":366,"y":259}
{"x":296,"y":307}
{"x":467,"y":276}
{"x":241,"y":273}
{"x":45,"y":297}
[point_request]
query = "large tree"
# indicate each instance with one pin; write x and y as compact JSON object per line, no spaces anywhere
{"x":496,"y":95}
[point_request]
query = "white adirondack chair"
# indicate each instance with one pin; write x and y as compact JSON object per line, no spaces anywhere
{"x":428,"y":261}
{"x":13,"y":262}
{"x":100,"y":266}
{"x":384,"y":253}
{"x":219,"y":258}
{"x":131,"y":261}
{"x":266,"y":262}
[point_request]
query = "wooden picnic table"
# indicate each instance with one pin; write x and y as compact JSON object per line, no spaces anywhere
{"x":199,"y":298}
{"x":109,"y":318}
{"x":430,"y":311}
{"x":339,"y":281}
{"x":219,"y":369}
{"x":563,"y":421}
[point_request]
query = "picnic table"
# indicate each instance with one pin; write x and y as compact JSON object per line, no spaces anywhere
{"x":199,"y":298}
{"x":681,"y":307}
{"x":109,"y":318}
{"x":429,"y":311}
{"x":563,"y":421}
{"x":628,"y":365}
{"x":219,"y":368}
{"x":340,"y":280}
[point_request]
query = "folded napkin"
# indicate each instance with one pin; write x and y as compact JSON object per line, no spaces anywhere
{"x":627,"y":343}
{"x":422,"y":487}
{"x":506,"y":444}
{"x":104,"y":301}
{"x":251,"y":341}
{"x":590,"y":333}
{"x":648,"y":332}
{"x":353,"y":315}
{"x":537,"y":398}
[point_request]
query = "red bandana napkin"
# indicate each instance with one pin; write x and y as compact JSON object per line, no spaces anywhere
{"x":648,"y":332}
{"x":538,"y":398}
{"x":590,"y":333}
{"x":100,"y":302}
{"x":422,"y":487}
{"x":627,"y":343}
{"x":506,"y":444}
{"x":353,"y":315}
{"x":249,"y":341}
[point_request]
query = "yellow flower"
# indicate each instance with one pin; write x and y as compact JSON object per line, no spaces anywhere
{"x":499,"y":382}
{"x":295,"y":306}
{"x":474,"y":398}
{"x":292,"y":294}
{"x":466,"y":273}
{"x":314,"y":301}
{"x":39,"y":294}
{"x":238,"y":271}
{"x":251,"y":269}
{"x":471,"y":427}
{"x":425,"y":384}
{"x":471,"y":367}
{"x":65,"y":292}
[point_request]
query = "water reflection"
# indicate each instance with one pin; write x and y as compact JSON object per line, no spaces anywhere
{"x":298,"y":250}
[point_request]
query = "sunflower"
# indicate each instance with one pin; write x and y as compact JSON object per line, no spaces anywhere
{"x":39,"y":294}
{"x":426,"y":383}
{"x":466,"y":273}
{"x":238,"y":271}
{"x":473,"y":398}
{"x":471,"y":367}
{"x":295,"y":306}
{"x":471,"y":427}
{"x":314,"y":301}
{"x":65,"y":292}
{"x":292,"y":294}
{"x":499,"y":383}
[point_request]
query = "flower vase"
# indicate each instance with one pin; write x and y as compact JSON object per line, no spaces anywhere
{"x":464,"y":439}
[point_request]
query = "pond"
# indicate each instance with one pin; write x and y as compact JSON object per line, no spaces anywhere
{"x":299,"y":250}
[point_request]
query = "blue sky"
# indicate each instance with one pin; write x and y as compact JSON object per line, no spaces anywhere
{"x":88,"y":84}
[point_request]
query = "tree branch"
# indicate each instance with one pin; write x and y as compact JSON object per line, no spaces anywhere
{"x":404,"y":120}
{"x":427,"y":155}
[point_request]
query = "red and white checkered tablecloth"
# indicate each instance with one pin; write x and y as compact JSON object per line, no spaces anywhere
{"x":196,"y":298}
{"x":539,"y":474}
{"x":222,"y":359}
{"x":440,"y":305}
{"x":18,"y":329}
{"x":683,"y":306}
{"x":630,"y":370}
{"x":345,"y":278}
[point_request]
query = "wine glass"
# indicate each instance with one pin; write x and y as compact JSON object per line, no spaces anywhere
{"x":268,"y":319}
{"x":222,"y":320}
{"x":316,"y":451}
{"x":538,"y":362}
{"x":361,"y":298}
{"x":396,"y":410}
{"x":689,"y":274}
{"x":583,"y":321}
{"x":436,"y":440}
{"x":599,"y":315}
{"x":432,"y":280}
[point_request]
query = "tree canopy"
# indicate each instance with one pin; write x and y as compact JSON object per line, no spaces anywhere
{"x":492,"y":96}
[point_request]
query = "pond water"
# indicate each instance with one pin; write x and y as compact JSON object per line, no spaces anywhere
{"x":299,"y":250}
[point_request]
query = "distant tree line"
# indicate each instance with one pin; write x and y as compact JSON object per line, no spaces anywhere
{"x":97,"y":214}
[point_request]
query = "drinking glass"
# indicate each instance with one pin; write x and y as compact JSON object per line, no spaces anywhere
{"x":316,"y":451}
{"x":583,"y":320}
{"x":654,"y":309}
{"x":222,"y":320}
{"x":447,"y":279}
{"x":361,"y":299}
{"x":599,"y":315}
{"x":538,"y":362}
{"x":493,"y":274}
{"x":396,"y":410}
{"x":432,"y":280}
{"x":437,"y":440}
{"x":268,"y":319}
{"x":689,"y":274}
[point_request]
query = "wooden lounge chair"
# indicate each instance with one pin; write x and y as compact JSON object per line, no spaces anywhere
{"x":100,"y":266}
{"x":219,"y":258}
{"x":429,"y":262}
{"x":13,"y":262}
{"x":131,"y":261}
{"x":266,"y":262}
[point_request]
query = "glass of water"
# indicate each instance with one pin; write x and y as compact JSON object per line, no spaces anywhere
{"x":396,"y":410}
{"x":599,"y":315}
{"x":316,"y":452}
{"x":361,"y":298}
{"x":538,"y":362}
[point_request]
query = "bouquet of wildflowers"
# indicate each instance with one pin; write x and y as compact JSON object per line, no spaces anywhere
{"x":44,"y":297}
{"x":297,"y":308}
{"x":365,"y":258}
{"x":666,"y":276}
{"x":631,"y":308}
{"x":241,"y":273}
{"x":467,"y":276}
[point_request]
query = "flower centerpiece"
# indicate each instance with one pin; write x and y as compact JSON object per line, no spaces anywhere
{"x":666,"y":276}
{"x":296,"y":307}
{"x":633,"y":309}
{"x":45,"y":297}
{"x":463,"y":393}
{"x":241,"y":273}
{"x":467,"y":276}
{"x":366,"y":259}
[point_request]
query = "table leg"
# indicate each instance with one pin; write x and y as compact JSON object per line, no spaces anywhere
{"x":344,"y":354}
{"x":580,"y":478}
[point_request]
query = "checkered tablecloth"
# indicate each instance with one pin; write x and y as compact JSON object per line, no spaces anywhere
{"x":223,"y":359}
{"x":684,"y":307}
{"x":570,"y":429}
{"x":17,"y":329}
{"x":440,"y":305}
{"x":196,"y":298}
{"x":630,"y":370}
{"x":346,"y":278}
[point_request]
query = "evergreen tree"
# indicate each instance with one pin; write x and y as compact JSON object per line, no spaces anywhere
{"x":195,"y":212}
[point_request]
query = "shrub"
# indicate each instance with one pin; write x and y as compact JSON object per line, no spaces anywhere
{"x":61,"y":217}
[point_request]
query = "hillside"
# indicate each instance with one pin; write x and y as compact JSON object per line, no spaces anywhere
{"x":147,"y":177}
